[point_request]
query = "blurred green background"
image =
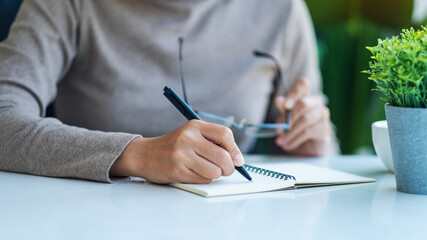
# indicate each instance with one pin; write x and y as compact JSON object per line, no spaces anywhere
{"x":344,"y":28}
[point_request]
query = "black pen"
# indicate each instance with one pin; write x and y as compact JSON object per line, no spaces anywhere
{"x":189,"y":113}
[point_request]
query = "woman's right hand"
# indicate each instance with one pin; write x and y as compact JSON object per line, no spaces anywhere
{"x":196,"y":152}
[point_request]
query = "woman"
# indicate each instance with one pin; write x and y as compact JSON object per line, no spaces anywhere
{"x":105,"y":64}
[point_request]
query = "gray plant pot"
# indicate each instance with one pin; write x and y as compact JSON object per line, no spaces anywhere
{"x":407,"y":128}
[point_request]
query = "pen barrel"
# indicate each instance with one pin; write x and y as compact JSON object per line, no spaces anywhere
{"x":243,"y":171}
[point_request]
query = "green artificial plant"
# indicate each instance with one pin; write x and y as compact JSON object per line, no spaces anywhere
{"x":399,"y":68}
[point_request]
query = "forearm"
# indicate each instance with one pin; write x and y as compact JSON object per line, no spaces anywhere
{"x":45,"y":146}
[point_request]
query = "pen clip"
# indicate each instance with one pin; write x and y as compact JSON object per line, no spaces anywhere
{"x":167,"y":92}
{"x":176,"y":100}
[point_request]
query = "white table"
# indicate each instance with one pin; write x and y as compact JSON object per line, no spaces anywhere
{"x":33,"y":207}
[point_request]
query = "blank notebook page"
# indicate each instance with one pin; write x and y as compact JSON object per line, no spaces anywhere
{"x":237,"y":184}
{"x":308,"y":175}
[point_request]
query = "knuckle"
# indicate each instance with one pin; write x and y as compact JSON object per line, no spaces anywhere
{"x":193,"y":124}
{"x":176,"y":152}
{"x":215,"y":173}
{"x":228,"y":170}
{"x":222,"y":156}
{"x":185,"y":136}
{"x":225,"y":162}
{"x":304,"y":103}
{"x":225,"y":132}
{"x":210,"y":172}
{"x":305,"y":117}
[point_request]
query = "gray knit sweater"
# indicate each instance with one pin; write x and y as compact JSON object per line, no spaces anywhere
{"x":105,"y":63}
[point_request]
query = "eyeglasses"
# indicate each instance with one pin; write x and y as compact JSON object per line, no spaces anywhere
{"x":262,"y":130}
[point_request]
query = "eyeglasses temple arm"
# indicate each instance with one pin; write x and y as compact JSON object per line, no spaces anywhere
{"x":288,"y":119}
{"x":181,"y":69}
{"x":259,"y":53}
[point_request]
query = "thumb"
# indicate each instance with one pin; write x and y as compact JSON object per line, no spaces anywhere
{"x":299,"y":89}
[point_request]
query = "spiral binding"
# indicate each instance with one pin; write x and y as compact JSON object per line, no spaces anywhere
{"x":268,"y":173}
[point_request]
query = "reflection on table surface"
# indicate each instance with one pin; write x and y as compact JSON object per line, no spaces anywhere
{"x":54,"y":208}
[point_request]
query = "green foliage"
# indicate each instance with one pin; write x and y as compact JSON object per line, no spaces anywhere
{"x":399,"y":68}
{"x":344,"y":28}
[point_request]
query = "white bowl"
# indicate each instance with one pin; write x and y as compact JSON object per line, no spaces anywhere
{"x":382,"y":143}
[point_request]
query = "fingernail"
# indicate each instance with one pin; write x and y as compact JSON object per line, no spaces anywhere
{"x":238,"y":160}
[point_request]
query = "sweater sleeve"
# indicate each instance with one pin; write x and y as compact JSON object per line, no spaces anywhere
{"x":37,"y":53}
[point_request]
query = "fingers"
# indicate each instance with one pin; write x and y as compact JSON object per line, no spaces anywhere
{"x":189,"y":167}
{"x":304,"y":106}
{"x":186,"y":175}
{"x":196,"y":152}
{"x":213,"y":156}
{"x":310,"y":118}
{"x":214,"y":152}
{"x":310,"y":130}
{"x":205,"y":168}
{"x":299,"y":89}
{"x":223,"y":137}
{"x":194,"y":177}
{"x":306,"y":120}
{"x":280,"y":104}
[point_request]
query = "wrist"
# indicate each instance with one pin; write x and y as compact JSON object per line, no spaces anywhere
{"x":125,"y":164}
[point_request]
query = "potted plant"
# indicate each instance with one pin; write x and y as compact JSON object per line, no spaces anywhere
{"x":399,"y":69}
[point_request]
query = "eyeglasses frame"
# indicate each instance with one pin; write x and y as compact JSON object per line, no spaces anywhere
{"x":229,"y":122}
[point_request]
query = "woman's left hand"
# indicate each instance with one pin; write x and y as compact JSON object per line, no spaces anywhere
{"x":310,"y":132}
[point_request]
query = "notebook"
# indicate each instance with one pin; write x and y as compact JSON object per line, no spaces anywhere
{"x":271,"y":177}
